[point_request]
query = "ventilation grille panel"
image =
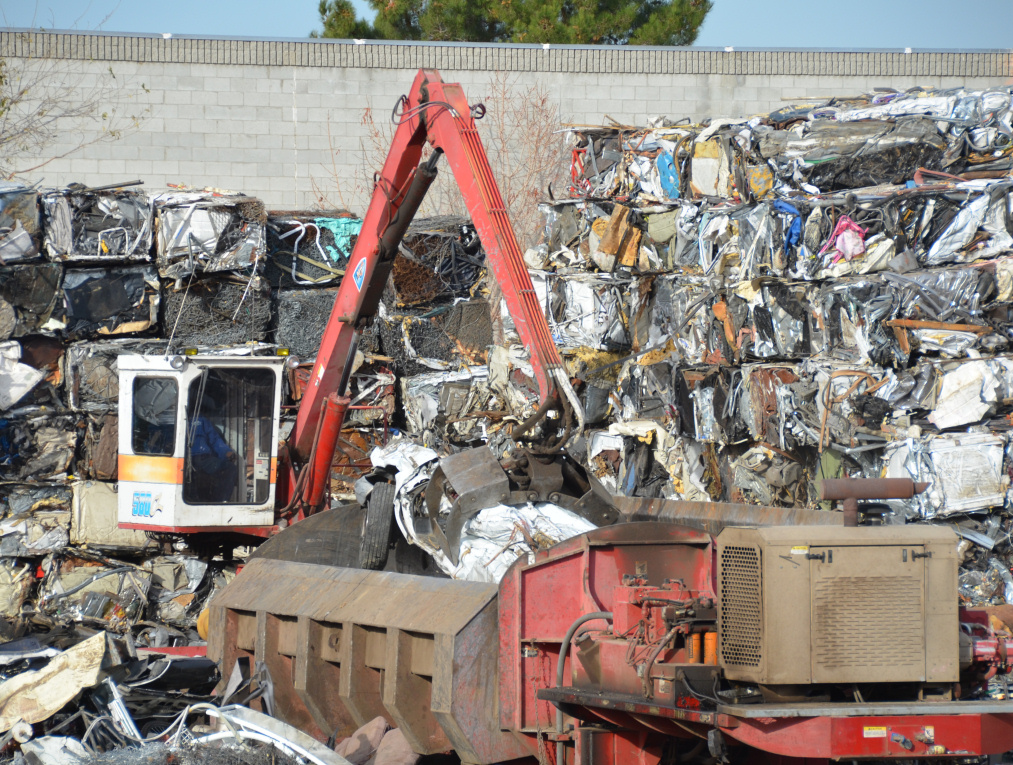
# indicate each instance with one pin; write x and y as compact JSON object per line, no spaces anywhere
{"x":741,"y":607}
{"x":870,"y":623}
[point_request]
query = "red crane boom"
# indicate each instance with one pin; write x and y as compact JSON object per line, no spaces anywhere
{"x":436,"y":113}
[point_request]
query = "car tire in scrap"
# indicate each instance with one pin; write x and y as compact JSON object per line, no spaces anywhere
{"x":377,"y":527}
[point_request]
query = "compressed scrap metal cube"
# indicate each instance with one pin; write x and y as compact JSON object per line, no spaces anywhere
{"x":37,"y":447}
{"x":99,"y":226}
{"x":217,"y":312}
{"x":92,"y":377}
{"x":29,"y":297}
{"x":110,"y":301}
{"x":309,"y":249}
{"x":204,"y":231}
{"x":35,"y":521}
{"x":19,"y":223}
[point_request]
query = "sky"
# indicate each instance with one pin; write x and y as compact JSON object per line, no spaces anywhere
{"x":856,"y":24}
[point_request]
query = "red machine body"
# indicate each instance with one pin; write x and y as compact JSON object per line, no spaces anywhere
{"x":587,"y":654}
{"x":634,"y":683}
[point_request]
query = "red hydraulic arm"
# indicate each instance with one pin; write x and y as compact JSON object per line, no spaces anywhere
{"x":437,"y":113}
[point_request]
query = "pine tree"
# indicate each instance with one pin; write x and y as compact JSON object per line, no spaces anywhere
{"x":561,"y":22}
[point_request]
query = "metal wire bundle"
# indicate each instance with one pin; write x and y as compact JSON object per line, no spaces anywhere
{"x":401,"y":336}
{"x":302,"y":252}
{"x":216,"y":313}
{"x":302,"y":316}
{"x":447,"y":251}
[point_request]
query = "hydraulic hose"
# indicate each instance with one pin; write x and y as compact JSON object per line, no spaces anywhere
{"x":564,"y":649}
{"x":646,"y":679}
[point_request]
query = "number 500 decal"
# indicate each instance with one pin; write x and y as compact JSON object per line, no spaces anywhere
{"x":141,"y":505}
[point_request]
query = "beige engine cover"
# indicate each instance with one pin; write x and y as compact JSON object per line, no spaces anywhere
{"x":811,"y":605}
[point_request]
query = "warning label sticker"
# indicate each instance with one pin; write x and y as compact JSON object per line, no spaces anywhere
{"x":799,"y":549}
{"x":873,"y":732}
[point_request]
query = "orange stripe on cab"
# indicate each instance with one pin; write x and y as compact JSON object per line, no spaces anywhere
{"x":148,"y":469}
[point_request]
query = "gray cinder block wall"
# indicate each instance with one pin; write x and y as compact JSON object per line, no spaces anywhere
{"x":283,"y":119}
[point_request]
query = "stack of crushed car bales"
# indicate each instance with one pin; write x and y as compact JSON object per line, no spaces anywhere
{"x":826,"y":291}
{"x":90,"y":274}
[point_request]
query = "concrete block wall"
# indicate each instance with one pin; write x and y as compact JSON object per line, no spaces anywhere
{"x":283,"y":120}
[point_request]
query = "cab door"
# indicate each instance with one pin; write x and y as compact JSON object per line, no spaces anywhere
{"x":150,"y":467}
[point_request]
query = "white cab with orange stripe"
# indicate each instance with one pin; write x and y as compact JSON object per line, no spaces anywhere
{"x":198,"y":442}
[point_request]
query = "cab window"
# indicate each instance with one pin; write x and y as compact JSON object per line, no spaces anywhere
{"x":153,"y":430}
{"x":230,"y":432}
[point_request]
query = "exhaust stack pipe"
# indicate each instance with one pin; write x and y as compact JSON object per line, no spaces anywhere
{"x":850,"y":490}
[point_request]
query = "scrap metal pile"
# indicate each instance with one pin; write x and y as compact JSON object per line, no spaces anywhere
{"x":753,"y":305}
{"x":87,"y":275}
{"x":825,"y":291}
{"x":72,"y":700}
{"x":747,"y":306}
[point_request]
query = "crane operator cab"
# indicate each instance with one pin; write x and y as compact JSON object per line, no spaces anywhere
{"x":198,"y":442}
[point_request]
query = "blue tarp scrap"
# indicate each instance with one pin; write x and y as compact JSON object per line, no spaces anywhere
{"x":794,"y":232}
{"x":343,"y":229}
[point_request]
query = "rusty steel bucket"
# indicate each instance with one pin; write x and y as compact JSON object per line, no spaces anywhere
{"x":343,"y":646}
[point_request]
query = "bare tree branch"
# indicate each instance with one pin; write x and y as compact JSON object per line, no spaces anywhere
{"x":45,"y":100}
{"x":521,"y":135}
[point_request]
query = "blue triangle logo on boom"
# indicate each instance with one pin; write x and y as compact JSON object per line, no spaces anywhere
{"x":359,"y":273}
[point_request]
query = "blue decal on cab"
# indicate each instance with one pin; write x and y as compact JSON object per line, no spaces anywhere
{"x":141,"y":505}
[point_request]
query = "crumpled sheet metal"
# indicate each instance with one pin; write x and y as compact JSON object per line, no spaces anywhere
{"x":32,"y":293}
{"x":99,"y":455}
{"x":208,"y":231}
{"x":445,"y":399}
{"x":500,"y":534}
{"x":492,"y":539}
{"x":37,"y":447}
{"x":114,"y":596}
{"x":94,"y":522}
{"x":964,"y":471}
{"x":37,"y":695}
{"x":38,"y":530}
{"x":92,"y":378}
{"x":20,"y":231}
{"x":111,"y":301}
{"x":102,"y":226}
{"x":16,"y":379}
{"x":681,"y":314}
{"x":587,"y":310}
